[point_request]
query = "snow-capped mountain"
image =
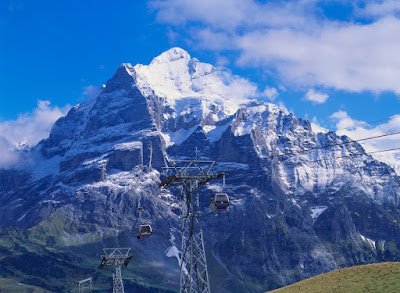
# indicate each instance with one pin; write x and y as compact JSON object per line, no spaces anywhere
{"x":302,"y":202}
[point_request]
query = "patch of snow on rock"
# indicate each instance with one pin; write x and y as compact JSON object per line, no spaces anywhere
{"x":317,"y":211}
{"x":369,"y":241}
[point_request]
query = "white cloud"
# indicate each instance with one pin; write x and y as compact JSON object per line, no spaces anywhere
{"x":295,"y":40}
{"x":344,"y":121}
{"x":9,"y":156}
{"x":237,"y":87}
{"x":222,"y":62}
{"x":350,"y":57}
{"x":26,"y":131}
{"x":270,"y":92}
{"x":211,"y":40}
{"x":316,"y":97}
{"x":359,"y":129}
{"x":172,"y":35}
{"x":316,"y":127}
{"x":236,"y":13}
{"x":381,"y":8}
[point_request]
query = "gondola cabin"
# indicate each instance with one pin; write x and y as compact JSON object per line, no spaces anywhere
{"x":219,"y":202}
{"x":144,"y":232}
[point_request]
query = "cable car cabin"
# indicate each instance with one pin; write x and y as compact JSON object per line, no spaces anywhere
{"x":219,"y":202}
{"x":144,"y":232}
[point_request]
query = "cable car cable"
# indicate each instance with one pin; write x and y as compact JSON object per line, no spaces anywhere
{"x":351,"y":127}
{"x":327,"y":146}
{"x":314,"y":161}
{"x":347,"y":156}
{"x":368,"y":123}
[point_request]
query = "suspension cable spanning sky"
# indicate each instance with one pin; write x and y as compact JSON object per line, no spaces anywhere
{"x":334,"y":62}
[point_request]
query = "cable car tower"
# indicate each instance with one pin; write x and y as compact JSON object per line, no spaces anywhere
{"x":116,"y":258}
{"x":190,"y":176}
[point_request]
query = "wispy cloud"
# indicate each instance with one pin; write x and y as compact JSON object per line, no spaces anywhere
{"x":26,"y":131}
{"x":356,"y":129}
{"x":91,"y":92}
{"x":239,"y":88}
{"x":316,"y":97}
{"x":296,"y":40}
{"x":234,"y":87}
{"x":236,"y":13}
{"x":380,"y":8}
{"x":344,"y":121}
{"x":270,"y":93}
{"x":351,"y":57}
{"x":9,"y":156}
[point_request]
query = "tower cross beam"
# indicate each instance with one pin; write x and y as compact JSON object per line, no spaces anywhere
{"x":116,"y":258}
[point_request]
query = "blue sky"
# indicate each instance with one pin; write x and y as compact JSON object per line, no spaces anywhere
{"x":334,"y":62}
{"x":51,"y":50}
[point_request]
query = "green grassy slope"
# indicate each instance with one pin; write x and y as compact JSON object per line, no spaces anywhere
{"x":383,"y":277}
{"x":12,"y":286}
{"x":36,"y":260}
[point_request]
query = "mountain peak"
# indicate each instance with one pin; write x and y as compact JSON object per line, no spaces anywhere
{"x":171,"y":55}
{"x":176,"y":75}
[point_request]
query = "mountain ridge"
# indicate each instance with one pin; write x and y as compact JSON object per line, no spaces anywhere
{"x":304,"y":211}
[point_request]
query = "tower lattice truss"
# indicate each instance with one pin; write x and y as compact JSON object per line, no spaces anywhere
{"x":188,"y":177}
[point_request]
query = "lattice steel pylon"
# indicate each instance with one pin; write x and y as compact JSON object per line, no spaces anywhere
{"x":116,"y":258}
{"x":190,"y":176}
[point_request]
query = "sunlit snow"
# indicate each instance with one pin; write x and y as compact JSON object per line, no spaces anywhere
{"x":317,"y":211}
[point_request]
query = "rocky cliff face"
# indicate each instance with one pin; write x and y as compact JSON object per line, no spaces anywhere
{"x":299,"y":206}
